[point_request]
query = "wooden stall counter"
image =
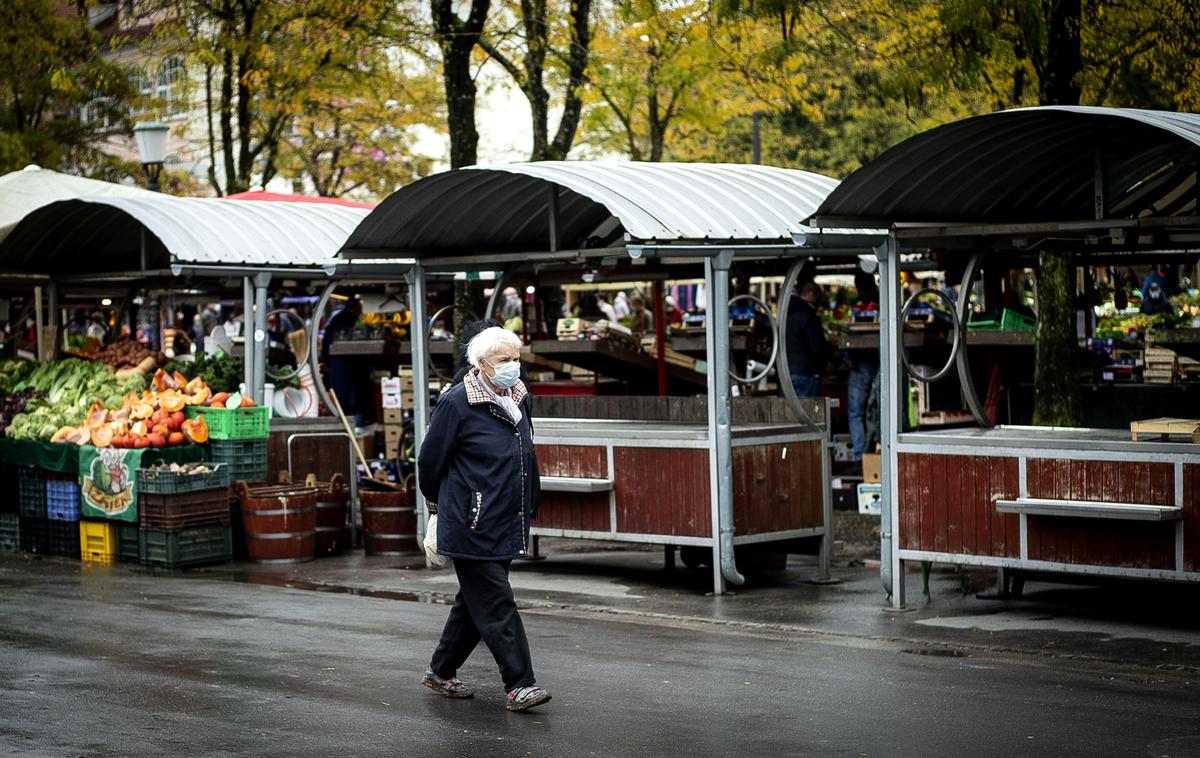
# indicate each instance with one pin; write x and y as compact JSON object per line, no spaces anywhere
{"x":649,"y":481}
{"x":1087,"y":501}
{"x":319,"y":445}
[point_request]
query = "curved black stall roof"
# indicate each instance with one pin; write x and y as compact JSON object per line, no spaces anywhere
{"x":1028,"y":166}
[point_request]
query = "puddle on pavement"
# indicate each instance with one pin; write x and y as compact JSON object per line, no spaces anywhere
{"x":273,"y":580}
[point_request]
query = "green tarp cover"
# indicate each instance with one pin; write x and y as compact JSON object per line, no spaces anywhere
{"x":108,"y":477}
{"x":62,"y":458}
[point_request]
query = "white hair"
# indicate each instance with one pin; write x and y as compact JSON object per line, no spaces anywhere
{"x":490,"y":341}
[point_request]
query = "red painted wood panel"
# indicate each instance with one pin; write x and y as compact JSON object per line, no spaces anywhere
{"x":1191,"y":517}
{"x":572,"y":460}
{"x":947,"y":504}
{"x":1092,"y":541}
{"x":775,"y":493}
{"x":663,"y":491}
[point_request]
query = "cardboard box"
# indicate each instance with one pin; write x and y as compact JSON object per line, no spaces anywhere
{"x":390,"y":385}
{"x":392,"y":448}
{"x":392,"y":432}
{"x":871,"y":467}
{"x":843,"y":450}
{"x":393,"y":416}
{"x":397,"y":402}
{"x":868,"y":498}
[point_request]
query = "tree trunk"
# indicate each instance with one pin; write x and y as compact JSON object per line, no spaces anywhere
{"x":577,"y":59}
{"x":456,"y":39}
{"x":1057,"y":397}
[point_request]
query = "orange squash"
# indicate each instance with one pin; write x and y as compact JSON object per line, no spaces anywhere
{"x":159,"y":382}
{"x":171,"y":401}
{"x":63,"y":434}
{"x":102,"y":436}
{"x":196,"y":430}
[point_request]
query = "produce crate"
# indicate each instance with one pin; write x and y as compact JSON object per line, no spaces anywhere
{"x":98,"y":541}
{"x":168,"y":513}
{"x":193,"y":546}
{"x":10,"y":531}
{"x":8,"y":486}
{"x":62,"y":499}
{"x":128,"y":539}
{"x":64,"y":538}
{"x":166,"y":482}
{"x":247,"y":459}
{"x":234,"y":423}
{"x":1010,"y":321}
{"x":35,"y":534}
{"x":31,"y":491}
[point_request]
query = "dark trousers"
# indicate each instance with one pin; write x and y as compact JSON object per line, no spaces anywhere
{"x":485,"y":609}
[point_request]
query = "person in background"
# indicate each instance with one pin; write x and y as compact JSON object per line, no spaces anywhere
{"x":511,"y":311}
{"x":864,"y":366}
{"x":672,"y":312}
{"x":641,"y":320}
{"x":478,"y":472}
{"x":589,"y":308}
{"x":621,"y":306}
{"x":1156,"y":295}
{"x":344,"y":378}
{"x":605,"y":308}
{"x":807,"y":348}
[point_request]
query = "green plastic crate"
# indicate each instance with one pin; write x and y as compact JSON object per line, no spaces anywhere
{"x":192,"y":546}
{"x":128,"y":543}
{"x":1010,"y":321}
{"x":246,"y":459}
{"x":234,"y":423}
{"x":167,"y":482}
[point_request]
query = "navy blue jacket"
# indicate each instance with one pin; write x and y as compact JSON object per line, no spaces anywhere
{"x":480,"y":469}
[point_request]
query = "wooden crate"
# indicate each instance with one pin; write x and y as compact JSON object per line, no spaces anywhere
{"x":1165,"y":428}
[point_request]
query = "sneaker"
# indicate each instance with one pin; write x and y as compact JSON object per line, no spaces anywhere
{"x":451,"y":687}
{"x":524,"y":698}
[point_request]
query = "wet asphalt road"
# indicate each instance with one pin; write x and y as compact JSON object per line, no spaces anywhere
{"x":98,"y":662}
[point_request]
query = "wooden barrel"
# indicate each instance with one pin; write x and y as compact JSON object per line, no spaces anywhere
{"x":333,"y":497}
{"x":280,"y":522}
{"x":390,"y":520}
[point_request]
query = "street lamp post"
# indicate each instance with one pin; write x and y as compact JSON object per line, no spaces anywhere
{"x":152,"y":149}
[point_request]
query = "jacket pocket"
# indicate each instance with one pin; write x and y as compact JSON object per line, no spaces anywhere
{"x":476,"y":510}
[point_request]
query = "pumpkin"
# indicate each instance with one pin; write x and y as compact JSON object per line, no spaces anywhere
{"x":159,"y":382}
{"x":62,"y":434}
{"x":102,"y":436}
{"x":170,"y":401}
{"x":196,"y":430}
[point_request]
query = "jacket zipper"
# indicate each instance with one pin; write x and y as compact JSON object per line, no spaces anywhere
{"x":521,"y":456}
{"x":478,"y":509}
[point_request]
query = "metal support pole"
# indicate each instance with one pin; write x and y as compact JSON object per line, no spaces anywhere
{"x":55,"y":319}
{"x":720,"y":447}
{"x":891,"y":407}
{"x":247,"y":321}
{"x":825,"y":556}
{"x":660,"y":337}
{"x":418,"y":335}
{"x":39,"y":323}
{"x":258,"y":389}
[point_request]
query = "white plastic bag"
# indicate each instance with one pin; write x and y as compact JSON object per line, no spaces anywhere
{"x":436,"y":559}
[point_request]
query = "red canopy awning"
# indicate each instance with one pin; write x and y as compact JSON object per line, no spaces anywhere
{"x":279,"y":197}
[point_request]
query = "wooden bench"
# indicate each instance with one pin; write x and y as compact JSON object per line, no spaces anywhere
{"x":1035,"y":506}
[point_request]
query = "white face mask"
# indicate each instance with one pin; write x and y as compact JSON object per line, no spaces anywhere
{"x":506,"y":374}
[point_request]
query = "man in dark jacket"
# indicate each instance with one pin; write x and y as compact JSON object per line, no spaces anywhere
{"x":478,"y":472}
{"x":807,"y":348}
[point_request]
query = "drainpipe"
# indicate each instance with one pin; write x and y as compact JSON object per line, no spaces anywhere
{"x":258,"y":388}
{"x":418,"y":335}
{"x":247,"y":329}
{"x":716,"y":275}
{"x":891,"y":404}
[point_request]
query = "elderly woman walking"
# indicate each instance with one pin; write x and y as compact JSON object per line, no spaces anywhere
{"x":478,"y":473}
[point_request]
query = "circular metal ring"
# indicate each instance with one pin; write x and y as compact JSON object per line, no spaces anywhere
{"x":785,"y":378}
{"x":954,"y":345}
{"x":774,"y":340}
{"x":428,"y":329}
{"x":299,"y":363}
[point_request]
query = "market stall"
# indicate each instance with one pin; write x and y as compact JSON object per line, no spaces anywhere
{"x":731,"y":484}
{"x":1093,"y":182}
{"x":202,"y":248}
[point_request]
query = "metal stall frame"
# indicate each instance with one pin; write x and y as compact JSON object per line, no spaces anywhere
{"x":630,"y":193}
{"x":1124,"y":183}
